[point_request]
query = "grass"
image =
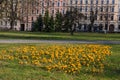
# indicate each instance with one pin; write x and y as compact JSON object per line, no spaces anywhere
{"x":59,"y":36}
{"x":12,"y":71}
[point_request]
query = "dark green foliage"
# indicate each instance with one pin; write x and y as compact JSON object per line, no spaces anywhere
{"x":46,"y":21}
{"x":51,"y":23}
{"x":92,"y":20}
{"x":38,"y":24}
{"x":58,"y":22}
{"x":71,"y":19}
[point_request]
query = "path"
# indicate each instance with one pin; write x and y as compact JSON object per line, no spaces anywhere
{"x":56,"y":41}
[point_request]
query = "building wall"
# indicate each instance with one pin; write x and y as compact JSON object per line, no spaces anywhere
{"x":30,"y":12}
{"x":39,"y":9}
{"x":85,"y":6}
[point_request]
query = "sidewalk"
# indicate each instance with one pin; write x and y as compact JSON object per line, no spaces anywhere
{"x":56,"y":41}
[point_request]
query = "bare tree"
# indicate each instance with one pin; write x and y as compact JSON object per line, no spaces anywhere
{"x":10,"y":9}
{"x":14,"y":10}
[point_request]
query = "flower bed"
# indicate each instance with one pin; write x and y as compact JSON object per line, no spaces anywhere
{"x":70,"y":58}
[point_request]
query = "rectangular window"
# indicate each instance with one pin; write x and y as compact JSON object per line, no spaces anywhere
{"x":76,"y":2}
{"x":81,"y":2}
{"x":102,"y":1}
{"x":101,"y":9}
{"x":101,"y":18}
{"x":91,"y":1}
{"x":6,"y":23}
{"x":42,"y":11}
{"x":112,"y":18}
{"x":63,"y":12}
{"x":107,"y":9}
{"x":86,"y":17}
{"x":37,"y":11}
{"x":86,"y":2}
{"x":53,"y":11}
{"x":42,"y":4}
{"x":96,"y":1}
{"x":86,"y":9}
{"x":71,"y":2}
{"x":107,"y":1}
{"x":113,"y":1}
{"x":53,"y":4}
{"x":63,"y":4}
{"x":1,"y":23}
{"x":58,"y":4}
{"x":119,"y":18}
{"x":119,"y":27}
{"x":91,"y":9}
{"x":80,"y":8}
{"x":32,"y":19}
{"x":112,"y":9}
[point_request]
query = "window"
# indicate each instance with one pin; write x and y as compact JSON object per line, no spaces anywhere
{"x":91,"y":9}
{"x":107,"y":9}
{"x":112,"y":9}
{"x":96,"y":1}
{"x":80,"y":8}
{"x":58,"y":4}
{"x":1,"y":23}
{"x":37,"y":11}
{"x":102,"y":1}
{"x":53,"y":11}
{"x":113,"y":1}
{"x":112,"y":18}
{"x":86,"y":9}
{"x":63,"y":4}
{"x":42,"y":11}
{"x":106,"y":17}
{"x":53,"y":4}
{"x":101,"y":18}
{"x":86,"y":17}
{"x":119,"y":18}
{"x":6,"y":23}
{"x":119,"y":27}
{"x":32,"y":11}
{"x":86,"y":1}
{"x":32,"y":19}
{"x":107,"y":1}
{"x":81,"y":2}
{"x":101,"y":9}
{"x":71,"y":2}
{"x":91,"y":1}
{"x":76,"y":2}
{"x":63,"y":11}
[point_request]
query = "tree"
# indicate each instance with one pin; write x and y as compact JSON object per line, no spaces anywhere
{"x":93,"y":16}
{"x":71,"y":19}
{"x":51,"y":24}
{"x":58,"y":21}
{"x":46,"y":21}
{"x":11,"y":10}
{"x":38,"y":24}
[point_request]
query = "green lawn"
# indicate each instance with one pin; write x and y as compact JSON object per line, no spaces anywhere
{"x":59,"y":36}
{"x":12,"y":71}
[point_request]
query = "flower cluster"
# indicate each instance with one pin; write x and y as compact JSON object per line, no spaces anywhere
{"x":67,"y":58}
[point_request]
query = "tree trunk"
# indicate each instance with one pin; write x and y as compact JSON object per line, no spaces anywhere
{"x":71,"y":33}
{"x":11,"y":25}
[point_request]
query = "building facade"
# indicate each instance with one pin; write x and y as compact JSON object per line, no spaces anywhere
{"x":107,"y":13}
{"x":118,"y":17}
{"x":40,"y":7}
